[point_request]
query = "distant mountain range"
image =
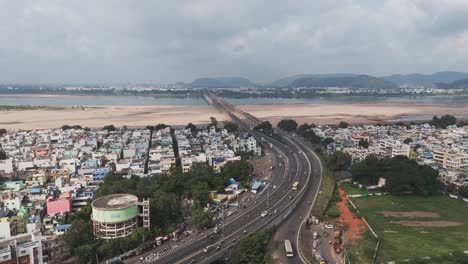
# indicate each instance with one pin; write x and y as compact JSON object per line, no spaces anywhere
{"x":354,"y":81}
{"x":441,"y":79}
{"x":460,"y":84}
{"x":426,"y":79}
{"x":222,"y":82}
{"x":283,"y":82}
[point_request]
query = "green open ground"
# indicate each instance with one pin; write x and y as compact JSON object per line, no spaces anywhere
{"x":402,"y":242}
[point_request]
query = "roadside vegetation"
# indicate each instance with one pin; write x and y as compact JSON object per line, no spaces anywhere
{"x":401,"y":175}
{"x":167,"y":194}
{"x":252,"y":249}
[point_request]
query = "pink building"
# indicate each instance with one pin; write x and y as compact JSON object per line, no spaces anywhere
{"x":59,"y":205}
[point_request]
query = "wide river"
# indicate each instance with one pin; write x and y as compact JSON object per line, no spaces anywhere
{"x":63,"y":100}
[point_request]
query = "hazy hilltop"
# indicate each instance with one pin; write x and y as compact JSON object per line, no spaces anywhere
{"x":460,"y":84}
{"x":426,"y":79}
{"x":354,"y":81}
{"x":222,"y":82}
{"x":287,"y":81}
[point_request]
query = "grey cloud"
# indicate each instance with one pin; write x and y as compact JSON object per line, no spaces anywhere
{"x":167,"y":41}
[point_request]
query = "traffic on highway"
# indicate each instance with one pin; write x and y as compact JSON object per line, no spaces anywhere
{"x":287,"y":185}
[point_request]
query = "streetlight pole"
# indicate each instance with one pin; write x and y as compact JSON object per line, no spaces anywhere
{"x":268,"y":197}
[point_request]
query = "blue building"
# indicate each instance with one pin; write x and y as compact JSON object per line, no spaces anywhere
{"x":98,"y":175}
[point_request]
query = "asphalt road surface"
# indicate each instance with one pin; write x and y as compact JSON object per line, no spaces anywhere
{"x":293,"y":162}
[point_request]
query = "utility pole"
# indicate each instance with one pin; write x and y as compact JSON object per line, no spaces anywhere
{"x":268,"y":197}
{"x":224,"y":220}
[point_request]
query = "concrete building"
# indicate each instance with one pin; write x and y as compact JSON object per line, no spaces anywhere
{"x":117,"y":215}
{"x":450,"y":159}
{"x":6,"y":166}
{"x":24,"y":248}
{"x":61,"y":205}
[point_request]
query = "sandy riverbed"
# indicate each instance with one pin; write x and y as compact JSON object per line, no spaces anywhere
{"x":357,"y":113}
{"x":99,"y":116}
{"x":330,"y":113}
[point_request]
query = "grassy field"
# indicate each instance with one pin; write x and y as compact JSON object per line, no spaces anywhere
{"x":400,"y":242}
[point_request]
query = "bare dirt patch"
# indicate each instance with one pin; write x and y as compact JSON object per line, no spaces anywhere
{"x":426,"y":223}
{"x":412,"y":214}
{"x":356,"y":225}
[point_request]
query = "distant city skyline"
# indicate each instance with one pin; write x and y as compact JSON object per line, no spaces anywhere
{"x":127,"y":41}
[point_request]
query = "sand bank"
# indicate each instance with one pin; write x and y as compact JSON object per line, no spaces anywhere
{"x":96,"y":117}
{"x":356,"y":113}
{"x":330,"y":113}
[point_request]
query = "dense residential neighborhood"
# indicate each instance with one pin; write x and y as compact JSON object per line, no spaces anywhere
{"x":445,"y":150}
{"x":50,"y":175}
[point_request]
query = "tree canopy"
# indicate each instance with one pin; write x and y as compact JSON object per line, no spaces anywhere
{"x":401,"y":175}
{"x":288,"y":125}
{"x":231,"y":127}
{"x":363,"y":143}
{"x":264,"y":127}
{"x":109,"y":128}
{"x":305,"y":130}
{"x":338,"y":161}
{"x":252,"y":249}
{"x":213,"y":122}
{"x":444,"y":121}
{"x":343,"y":124}
{"x":192,"y":127}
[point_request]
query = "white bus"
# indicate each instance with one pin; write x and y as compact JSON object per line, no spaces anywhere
{"x":289,"y":249}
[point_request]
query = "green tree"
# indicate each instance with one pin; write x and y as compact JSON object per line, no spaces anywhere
{"x":368,"y":171}
{"x":363,"y":143}
{"x":288,"y":125}
{"x":463,"y":191}
{"x":200,"y":194}
{"x":2,"y":131}
{"x":201,"y":219}
{"x":338,"y":161}
{"x":80,"y":233}
{"x":141,"y":234}
{"x":192,"y":127}
{"x":399,"y":124}
{"x":160,"y":126}
{"x":328,"y":140}
{"x":401,"y":174}
{"x":231,"y":127}
{"x":343,"y":124}
{"x":213,"y":122}
{"x":109,"y":128}
{"x":265,"y":127}
{"x":239,"y":170}
{"x":303,"y":128}
{"x":407,"y":140}
{"x":3,"y":155}
{"x":444,"y":121}
{"x":252,"y":249}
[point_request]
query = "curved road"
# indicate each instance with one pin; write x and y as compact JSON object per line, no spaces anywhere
{"x":294,"y":162}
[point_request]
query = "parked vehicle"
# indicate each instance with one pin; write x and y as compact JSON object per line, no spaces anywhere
{"x":264,"y":214}
{"x":315,"y":235}
{"x":206,"y":249}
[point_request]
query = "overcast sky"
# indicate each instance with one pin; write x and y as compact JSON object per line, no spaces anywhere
{"x":119,"y":41}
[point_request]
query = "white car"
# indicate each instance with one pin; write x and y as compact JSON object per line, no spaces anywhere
{"x":329,"y":226}
{"x":231,"y":213}
{"x":206,"y":249}
{"x":264,"y":214}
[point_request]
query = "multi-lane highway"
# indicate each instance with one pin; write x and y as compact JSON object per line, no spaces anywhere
{"x":293,"y":161}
